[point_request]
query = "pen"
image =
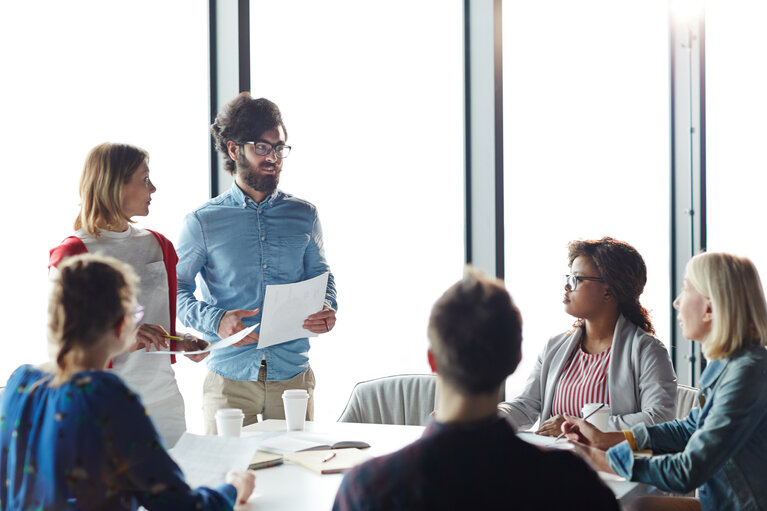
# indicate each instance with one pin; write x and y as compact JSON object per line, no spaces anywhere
{"x":329,"y":457}
{"x":586,"y":417}
{"x":172,"y":337}
{"x":327,"y":328}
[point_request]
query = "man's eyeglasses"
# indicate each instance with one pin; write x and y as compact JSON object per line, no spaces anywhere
{"x":571,"y":281}
{"x":264,"y":148}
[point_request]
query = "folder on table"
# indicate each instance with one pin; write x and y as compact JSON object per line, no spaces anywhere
{"x":264,"y":459}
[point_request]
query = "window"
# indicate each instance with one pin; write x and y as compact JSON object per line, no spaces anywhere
{"x":735,"y":106}
{"x":586,"y":150}
{"x":372,"y":98}
{"x":92,"y":72}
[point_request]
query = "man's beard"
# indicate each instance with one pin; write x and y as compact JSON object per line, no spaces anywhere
{"x":266,"y":183}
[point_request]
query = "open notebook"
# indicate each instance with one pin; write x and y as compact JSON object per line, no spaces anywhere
{"x":297,"y":441}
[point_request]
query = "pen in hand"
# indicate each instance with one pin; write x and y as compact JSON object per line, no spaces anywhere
{"x":329,"y":457}
{"x":586,"y":417}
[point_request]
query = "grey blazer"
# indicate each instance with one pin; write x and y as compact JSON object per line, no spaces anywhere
{"x":640,"y":380}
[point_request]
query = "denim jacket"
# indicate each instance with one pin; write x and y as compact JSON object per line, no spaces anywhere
{"x":721,"y":447}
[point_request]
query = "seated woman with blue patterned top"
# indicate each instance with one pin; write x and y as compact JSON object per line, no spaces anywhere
{"x":73,"y":436}
{"x":721,"y":447}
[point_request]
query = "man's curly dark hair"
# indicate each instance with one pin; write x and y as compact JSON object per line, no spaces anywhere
{"x":244,"y":119}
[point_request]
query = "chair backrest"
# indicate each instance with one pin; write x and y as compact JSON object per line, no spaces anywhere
{"x":406,"y":399}
{"x":686,"y":400}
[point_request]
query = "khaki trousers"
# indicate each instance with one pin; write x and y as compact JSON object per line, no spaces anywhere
{"x":252,"y":397}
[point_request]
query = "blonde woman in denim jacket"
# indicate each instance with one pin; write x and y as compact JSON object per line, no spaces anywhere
{"x":721,"y":447}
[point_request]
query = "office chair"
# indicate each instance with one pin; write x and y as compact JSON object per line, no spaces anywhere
{"x":686,"y":400}
{"x":406,"y":399}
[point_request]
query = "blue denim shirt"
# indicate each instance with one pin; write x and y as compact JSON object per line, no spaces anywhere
{"x":720,"y":447}
{"x":238,"y":247}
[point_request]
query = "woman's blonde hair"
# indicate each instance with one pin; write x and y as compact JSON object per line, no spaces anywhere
{"x":107,"y":168}
{"x":91,"y":294}
{"x":738,"y":304}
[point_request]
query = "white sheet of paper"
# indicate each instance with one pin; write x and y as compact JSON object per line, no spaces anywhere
{"x":286,"y":306}
{"x":205,"y":459}
{"x":223,"y":343}
{"x":549,"y":442}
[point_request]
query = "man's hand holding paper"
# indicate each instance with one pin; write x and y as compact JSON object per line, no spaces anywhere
{"x":231,"y":323}
{"x":321,"y":322}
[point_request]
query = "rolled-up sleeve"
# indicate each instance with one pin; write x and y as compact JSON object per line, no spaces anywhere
{"x":621,"y":459}
{"x":315,"y":262}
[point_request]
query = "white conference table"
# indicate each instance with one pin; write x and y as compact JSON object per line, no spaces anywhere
{"x":290,"y":487}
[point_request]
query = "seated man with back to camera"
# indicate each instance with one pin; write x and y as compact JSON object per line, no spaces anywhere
{"x":469,"y":457}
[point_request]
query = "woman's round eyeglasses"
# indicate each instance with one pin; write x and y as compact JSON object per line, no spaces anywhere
{"x":571,"y":281}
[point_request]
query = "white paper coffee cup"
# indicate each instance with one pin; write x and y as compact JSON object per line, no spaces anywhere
{"x":599,"y":419}
{"x":229,"y":421}
{"x":295,"y":401}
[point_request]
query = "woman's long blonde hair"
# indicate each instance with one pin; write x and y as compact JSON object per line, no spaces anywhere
{"x":107,"y":168}
{"x":738,"y":304}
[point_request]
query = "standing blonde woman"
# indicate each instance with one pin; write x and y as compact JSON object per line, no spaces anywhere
{"x":114,"y":188}
{"x":721,"y":447}
{"x":72,"y":435}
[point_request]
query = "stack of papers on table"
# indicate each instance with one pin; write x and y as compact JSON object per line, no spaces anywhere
{"x":205,"y":459}
{"x":546,"y":442}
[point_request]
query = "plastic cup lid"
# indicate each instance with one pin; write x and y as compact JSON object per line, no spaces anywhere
{"x":229,"y":412}
{"x":295,"y":393}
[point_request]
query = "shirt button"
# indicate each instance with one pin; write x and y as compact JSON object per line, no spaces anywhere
{"x":263,"y":238}
{"x":264,"y":266}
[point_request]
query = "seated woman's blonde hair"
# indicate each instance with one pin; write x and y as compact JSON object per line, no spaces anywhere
{"x":738,"y":305}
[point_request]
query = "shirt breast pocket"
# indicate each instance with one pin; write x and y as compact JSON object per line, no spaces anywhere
{"x":292,"y":250}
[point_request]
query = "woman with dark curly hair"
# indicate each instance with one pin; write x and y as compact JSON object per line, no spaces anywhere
{"x":610,"y":355}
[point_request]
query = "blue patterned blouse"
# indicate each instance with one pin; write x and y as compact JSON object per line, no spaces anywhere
{"x":87,"y":444}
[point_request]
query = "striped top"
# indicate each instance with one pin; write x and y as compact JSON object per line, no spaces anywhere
{"x":583,"y":381}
